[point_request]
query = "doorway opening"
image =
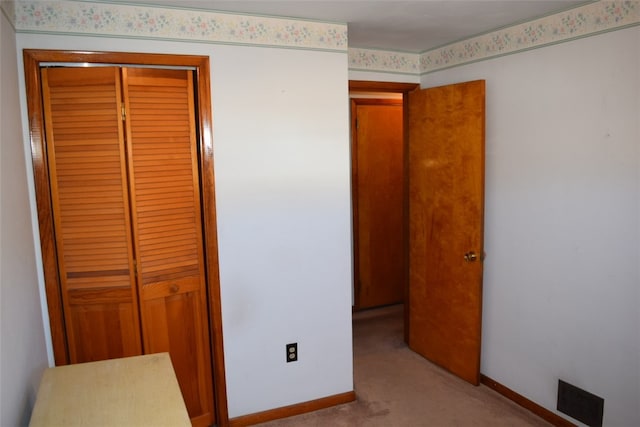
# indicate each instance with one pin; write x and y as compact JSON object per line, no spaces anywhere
{"x":442,"y":221}
{"x":379,"y":194}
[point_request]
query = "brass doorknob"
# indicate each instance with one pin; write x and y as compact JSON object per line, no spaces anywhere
{"x":470,"y":256}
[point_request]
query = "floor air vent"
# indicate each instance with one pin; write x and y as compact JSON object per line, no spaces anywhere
{"x":580,"y":404}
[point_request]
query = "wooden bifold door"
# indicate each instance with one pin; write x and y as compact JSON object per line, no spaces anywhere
{"x":125,"y":193}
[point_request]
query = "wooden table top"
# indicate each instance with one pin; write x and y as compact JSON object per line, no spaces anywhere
{"x":132,"y":391}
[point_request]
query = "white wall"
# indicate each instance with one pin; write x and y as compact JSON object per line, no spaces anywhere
{"x":378,"y":76}
{"x":561,"y":285}
{"x":638,"y":227}
{"x":281,"y":147}
{"x":22,"y":344}
{"x":283,"y":201}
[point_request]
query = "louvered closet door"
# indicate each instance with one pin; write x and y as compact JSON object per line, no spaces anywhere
{"x":87,"y":172}
{"x":164,"y":185}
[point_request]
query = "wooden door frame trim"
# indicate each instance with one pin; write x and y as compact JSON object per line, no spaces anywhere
{"x":386,"y":87}
{"x":360,"y":86}
{"x":32,"y":60}
{"x":355,"y":102}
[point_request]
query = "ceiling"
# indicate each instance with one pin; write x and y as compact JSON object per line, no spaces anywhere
{"x":410,"y":26}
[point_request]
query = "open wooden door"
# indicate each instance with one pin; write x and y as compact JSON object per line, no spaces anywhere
{"x":446,"y":209}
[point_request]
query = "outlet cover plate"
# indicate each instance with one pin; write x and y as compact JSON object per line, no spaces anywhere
{"x":292,"y":352}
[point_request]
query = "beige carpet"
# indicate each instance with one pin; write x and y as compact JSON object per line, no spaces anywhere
{"x":396,"y":388}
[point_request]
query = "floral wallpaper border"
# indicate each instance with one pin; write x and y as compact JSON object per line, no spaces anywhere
{"x":139,"y":21}
{"x":593,"y":18}
{"x":122,"y":20}
{"x":384,"y":61}
{"x":590,"y":19}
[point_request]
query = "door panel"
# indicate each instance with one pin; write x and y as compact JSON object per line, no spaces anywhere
{"x":165,"y":194}
{"x":378,"y":206}
{"x":106,"y":317}
{"x":169,"y":330}
{"x":446,"y":208}
{"x":91,"y":212}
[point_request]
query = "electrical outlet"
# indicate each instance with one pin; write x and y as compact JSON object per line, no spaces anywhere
{"x":292,"y":352}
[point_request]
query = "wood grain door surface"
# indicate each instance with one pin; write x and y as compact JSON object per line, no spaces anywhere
{"x":165,"y":200}
{"x":446,"y":208}
{"x":378,"y":205}
{"x":124,"y":180}
{"x":89,"y":191}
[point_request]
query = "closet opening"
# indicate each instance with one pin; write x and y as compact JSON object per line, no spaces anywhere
{"x":123,"y":172}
